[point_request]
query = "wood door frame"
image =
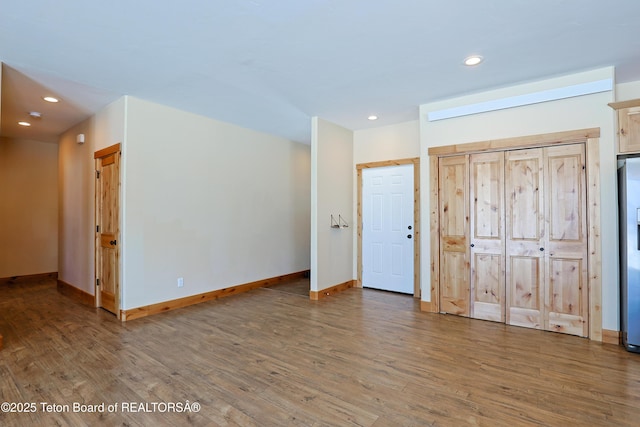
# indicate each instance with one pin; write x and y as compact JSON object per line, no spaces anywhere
{"x":415,"y":161}
{"x":97,"y":156}
{"x":591,"y":139}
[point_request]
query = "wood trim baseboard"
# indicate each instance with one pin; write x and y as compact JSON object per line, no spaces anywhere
{"x":0,"y":342}
{"x":611,"y":337}
{"x":428,"y":306}
{"x":148,"y":310}
{"x":27,"y":277}
{"x":317,"y":295}
{"x":76,"y":294}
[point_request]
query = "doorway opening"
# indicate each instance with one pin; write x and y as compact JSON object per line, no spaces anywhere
{"x":388,"y":236}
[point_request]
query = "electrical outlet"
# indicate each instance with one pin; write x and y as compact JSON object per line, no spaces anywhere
{"x":180,"y":282}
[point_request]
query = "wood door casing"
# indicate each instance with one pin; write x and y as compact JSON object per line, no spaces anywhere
{"x":107,"y":231}
{"x":416,"y":216}
{"x":566,"y":297}
{"x":454,"y":228}
{"x":525,"y":231}
{"x":486,"y":194}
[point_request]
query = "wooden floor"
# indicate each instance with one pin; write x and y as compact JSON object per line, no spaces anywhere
{"x":272,"y":357}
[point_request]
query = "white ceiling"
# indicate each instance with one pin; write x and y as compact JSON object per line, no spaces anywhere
{"x":271,"y":65}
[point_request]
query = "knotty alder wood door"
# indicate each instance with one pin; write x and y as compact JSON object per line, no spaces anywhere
{"x":513,"y":237}
{"x":546,"y":247}
{"x":566,"y":296}
{"x":454,"y":231}
{"x":525,"y":238}
{"x":107,"y":231}
{"x":487,"y":236}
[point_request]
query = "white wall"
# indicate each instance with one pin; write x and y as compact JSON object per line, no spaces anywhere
{"x":393,"y":142}
{"x":29,"y":212}
{"x":628,"y":91}
{"x":331,"y":193}
{"x":0,"y":96}
{"x":589,"y":111}
{"x":214,"y":203}
{"x":400,"y":141}
{"x":76,"y":173}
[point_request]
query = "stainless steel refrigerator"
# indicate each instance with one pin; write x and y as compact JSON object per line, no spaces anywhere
{"x":629,"y":200}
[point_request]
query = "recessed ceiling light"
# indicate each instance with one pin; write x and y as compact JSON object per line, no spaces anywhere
{"x":51,"y":99}
{"x":24,"y":123}
{"x":372,"y":117}
{"x":473,"y":60}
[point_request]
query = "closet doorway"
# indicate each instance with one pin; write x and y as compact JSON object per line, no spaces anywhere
{"x":515,"y":231}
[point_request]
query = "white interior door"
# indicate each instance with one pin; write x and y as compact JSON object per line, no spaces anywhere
{"x":387,"y":228}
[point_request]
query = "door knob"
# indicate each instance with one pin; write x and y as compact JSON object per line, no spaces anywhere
{"x":409,"y":236}
{"x":409,"y":227}
{"x":112,"y":242}
{"x":472,"y":245}
{"x":541,"y":249}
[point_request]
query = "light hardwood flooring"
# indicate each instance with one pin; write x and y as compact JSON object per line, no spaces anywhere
{"x":272,"y":357}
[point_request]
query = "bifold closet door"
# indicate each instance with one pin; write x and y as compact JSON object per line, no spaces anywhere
{"x":546,"y":246}
{"x":487,"y":242}
{"x":453,"y":205}
{"x":566,"y":296}
{"x":525,"y":267}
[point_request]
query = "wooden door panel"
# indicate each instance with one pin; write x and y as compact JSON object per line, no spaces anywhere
{"x":453,"y":197}
{"x":566,"y":324}
{"x":526,"y":296}
{"x":488,"y":278}
{"x":525,"y":317}
{"x":524,"y":188}
{"x":526,"y":276}
{"x":107,"y":273}
{"x":108,"y":214}
{"x":566,"y":299}
{"x":487,"y":274}
{"x":455,"y":289}
{"x":526,"y":206}
{"x":564,"y":286}
{"x":487,"y":236}
{"x":107,"y":231}
{"x":454,"y":230}
{"x":107,"y":282}
{"x":487,"y":189}
{"x":566,"y":197}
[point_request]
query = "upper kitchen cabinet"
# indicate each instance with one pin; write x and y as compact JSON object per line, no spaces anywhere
{"x":628,"y":125}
